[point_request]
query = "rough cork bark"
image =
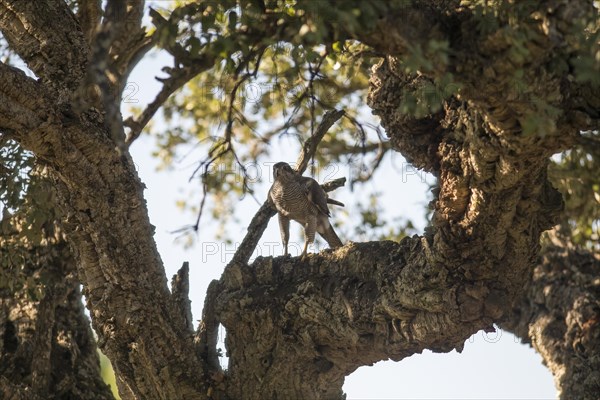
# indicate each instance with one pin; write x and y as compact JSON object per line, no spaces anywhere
{"x":295,"y":330}
{"x":47,"y":349}
{"x":559,"y":315}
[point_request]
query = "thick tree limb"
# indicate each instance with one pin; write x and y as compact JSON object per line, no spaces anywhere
{"x":101,"y":72}
{"x":492,"y":85}
{"x":128,"y":48}
{"x":15,"y":391}
{"x":131,"y":304}
{"x":131,"y":30}
{"x":117,"y":46}
{"x":559,"y":315}
{"x":23,"y":101}
{"x":58,"y":55}
{"x":139,"y":328}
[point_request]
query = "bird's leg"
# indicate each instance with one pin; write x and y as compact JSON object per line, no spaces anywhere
{"x":284,"y":229}
{"x":304,"y":251}
{"x":310,"y":228}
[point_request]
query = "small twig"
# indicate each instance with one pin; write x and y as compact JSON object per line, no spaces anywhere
{"x":334,"y":184}
{"x":382,"y":151}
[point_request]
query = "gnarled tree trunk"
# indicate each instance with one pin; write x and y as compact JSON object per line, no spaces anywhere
{"x":295,"y":330}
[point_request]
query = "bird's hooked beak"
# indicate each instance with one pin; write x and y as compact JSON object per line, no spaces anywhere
{"x":280,"y":168}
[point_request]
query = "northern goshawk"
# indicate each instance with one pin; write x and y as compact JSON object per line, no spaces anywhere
{"x":302,"y":199}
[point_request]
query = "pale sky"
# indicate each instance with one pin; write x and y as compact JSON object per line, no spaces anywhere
{"x":492,"y":366}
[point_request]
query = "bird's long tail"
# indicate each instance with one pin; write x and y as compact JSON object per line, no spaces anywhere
{"x":331,"y":237}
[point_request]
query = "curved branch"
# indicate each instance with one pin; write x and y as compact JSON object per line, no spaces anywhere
{"x":309,"y":148}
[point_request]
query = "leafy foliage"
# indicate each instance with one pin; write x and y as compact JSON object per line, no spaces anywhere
{"x":261,"y":89}
{"x":272,"y":68}
{"x":27,"y":222}
{"x":277,"y":66}
{"x":15,"y":165}
{"x":576,"y":174}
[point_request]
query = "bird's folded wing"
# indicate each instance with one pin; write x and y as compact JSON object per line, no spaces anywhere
{"x":316,"y":194}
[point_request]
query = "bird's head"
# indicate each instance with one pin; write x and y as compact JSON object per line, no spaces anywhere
{"x":282,"y":170}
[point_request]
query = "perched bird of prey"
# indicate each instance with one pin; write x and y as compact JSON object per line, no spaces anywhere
{"x":302,"y":199}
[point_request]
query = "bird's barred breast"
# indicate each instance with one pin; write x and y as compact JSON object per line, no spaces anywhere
{"x":291,"y":201}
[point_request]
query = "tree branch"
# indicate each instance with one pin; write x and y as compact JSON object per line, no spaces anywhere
{"x":47,"y":344}
{"x":178,"y":78}
{"x":485,"y":67}
{"x":207,"y":334}
{"x":23,"y":101}
{"x":129,"y":48}
{"x":117,"y":46}
{"x":309,"y":148}
{"x":343,"y":309}
{"x":101,"y":71}
{"x":559,"y":315}
{"x":146,"y":337}
{"x":14,"y":391}
{"x":89,"y":14}
{"x":58,"y":55}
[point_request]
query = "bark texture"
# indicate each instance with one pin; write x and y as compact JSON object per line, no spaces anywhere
{"x":383,"y":300}
{"x":559,"y":315}
{"x":139,"y":325}
{"x":295,"y":330}
{"x":47,"y":349}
